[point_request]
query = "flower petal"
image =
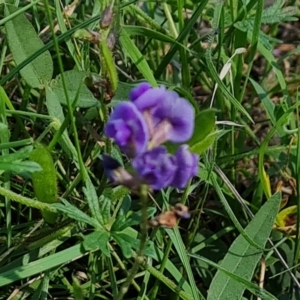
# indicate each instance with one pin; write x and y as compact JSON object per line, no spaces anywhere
{"x":150,"y":98}
{"x":140,"y":89}
{"x":156,"y":167}
{"x":179,"y":113}
{"x":127,"y":127}
{"x":187,"y":163}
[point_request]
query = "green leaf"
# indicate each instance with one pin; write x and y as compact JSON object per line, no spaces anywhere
{"x":109,"y":65}
{"x":122,"y":221}
{"x":73,"y":79}
{"x":20,"y":154}
{"x":181,"y":37}
{"x":92,"y":199}
{"x":254,"y":289}
{"x":122,"y":93}
{"x":105,"y":208}
{"x":125,"y":247}
{"x":77,"y":289}
{"x":19,"y":167}
{"x":268,"y":104}
{"x":203,"y":136}
{"x":53,"y":105}
{"x":75,"y":213}
{"x":203,"y":145}
{"x":23,"y":42}
{"x":242,"y":258}
{"x":97,"y":239}
{"x":137,"y":57}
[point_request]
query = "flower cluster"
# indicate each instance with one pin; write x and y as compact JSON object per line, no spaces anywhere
{"x":141,"y":126}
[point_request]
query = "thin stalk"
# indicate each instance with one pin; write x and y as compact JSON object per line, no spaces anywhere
{"x":139,"y":259}
{"x":297,"y":244}
{"x":185,"y":71}
{"x":16,"y":144}
{"x":4,"y":138}
{"x":26,"y":201}
{"x":69,"y":103}
{"x":254,"y":43}
{"x":123,"y":267}
{"x":167,"y":250}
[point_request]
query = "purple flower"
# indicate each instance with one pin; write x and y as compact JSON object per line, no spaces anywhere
{"x":149,"y":98}
{"x":116,"y":173}
{"x":175,"y":119}
{"x":187,"y":166}
{"x":156,"y":167}
{"x":127,"y":127}
{"x":168,"y":117}
{"x":139,"y":90}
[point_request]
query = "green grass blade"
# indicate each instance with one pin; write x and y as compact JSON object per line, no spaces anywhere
{"x":137,"y":57}
{"x":180,"y":248}
{"x":182,"y":35}
{"x":242,"y":258}
{"x":41,"y":265}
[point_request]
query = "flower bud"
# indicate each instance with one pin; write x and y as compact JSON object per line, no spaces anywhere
{"x":107,"y":17}
{"x":111,"y":39}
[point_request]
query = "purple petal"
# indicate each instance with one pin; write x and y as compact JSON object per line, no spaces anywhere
{"x":150,"y":98}
{"x":179,"y":113}
{"x":110,"y":165}
{"x":116,"y":173}
{"x":127,"y":127}
{"x":187,"y":166}
{"x":156,"y":167}
{"x":139,"y":90}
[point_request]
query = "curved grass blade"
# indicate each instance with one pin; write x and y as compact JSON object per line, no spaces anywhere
{"x":242,"y":258}
{"x":254,"y":289}
{"x":137,"y":57}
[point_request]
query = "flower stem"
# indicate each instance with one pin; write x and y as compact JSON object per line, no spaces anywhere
{"x":26,"y":201}
{"x":139,"y":259}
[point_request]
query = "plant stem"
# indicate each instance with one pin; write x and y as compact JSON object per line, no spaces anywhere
{"x":26,"y":201}
{"x":139,"y":259}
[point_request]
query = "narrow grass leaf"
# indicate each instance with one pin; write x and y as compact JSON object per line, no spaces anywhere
{"x":144,"y":31}
{"x":42,"y":265}
{"x":181,"y":251}
{"x":20,"y":167}
{"x":63,"y":28}
{"x":137,"y":57}
{"x":42,"y":290}
{"x":242,"y":258}
{"x":23,"y":42}
{"x":182,"y":35}
{"x":266,"y":101}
